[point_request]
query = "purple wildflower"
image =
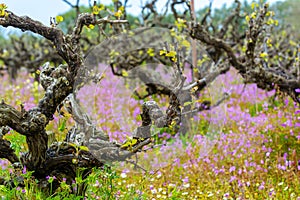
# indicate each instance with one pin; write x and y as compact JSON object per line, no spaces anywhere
{"x":232,"y":169}
{"x":262,"y":186}
{"x":232,"y":178}
{"x":24,"y":170}
{"x":186,"y":180}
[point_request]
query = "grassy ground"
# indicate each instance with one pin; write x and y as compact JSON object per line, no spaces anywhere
{"x":247,"y":148}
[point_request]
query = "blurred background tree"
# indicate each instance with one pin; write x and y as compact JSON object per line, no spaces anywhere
{"x":287,"y":12}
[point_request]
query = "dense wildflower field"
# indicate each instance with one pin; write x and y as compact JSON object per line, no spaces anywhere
{"x":246,"y":148}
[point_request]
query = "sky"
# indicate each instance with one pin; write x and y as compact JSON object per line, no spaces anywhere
{"x":42,"y":10}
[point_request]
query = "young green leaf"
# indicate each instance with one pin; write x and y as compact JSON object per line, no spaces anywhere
{"x":62,"y":125}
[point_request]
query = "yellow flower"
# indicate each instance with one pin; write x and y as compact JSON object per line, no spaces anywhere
{"x":91,"y":26}
{"x":253,"y":15}
{"x":247,"y":18}
{"x":150,"y":52}
{"x":2,"y":13}
{"x":171,"y":54}
{"x":2,"y":10}
{"x":59,"y":19}
{"x":180,"y":23}
{"x":119,"y":13}
{"x":269,"y":42}
{"x":162,"y":52}
{"x":124,"y":73}
{"x":270,"y":21}
{"x":263,"y":55}
{"x":129,"y":143}
{"x":96,"y":10}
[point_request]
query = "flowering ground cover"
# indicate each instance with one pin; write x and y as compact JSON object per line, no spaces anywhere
{"x":247,"y":148}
